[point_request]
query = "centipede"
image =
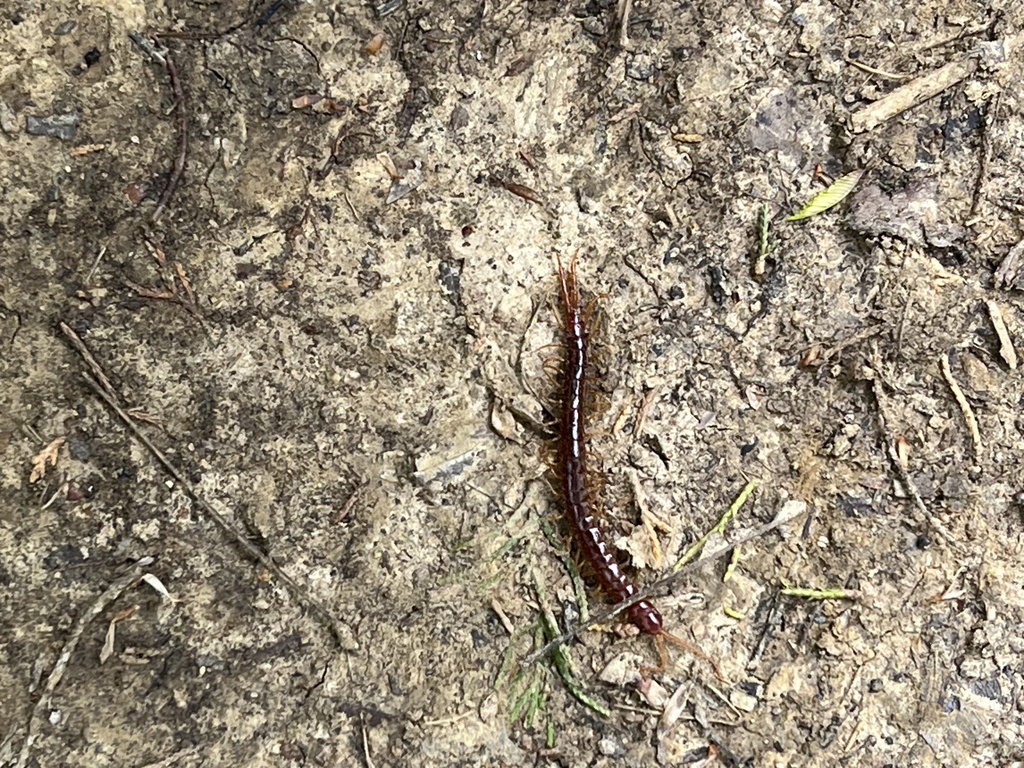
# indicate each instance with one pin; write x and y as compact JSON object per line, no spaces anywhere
{"x":577,"y":476}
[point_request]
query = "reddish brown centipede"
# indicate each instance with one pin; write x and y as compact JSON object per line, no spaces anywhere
{"x":573,"y":468}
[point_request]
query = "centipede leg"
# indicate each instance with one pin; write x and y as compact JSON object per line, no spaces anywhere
{"x":659,"y":641}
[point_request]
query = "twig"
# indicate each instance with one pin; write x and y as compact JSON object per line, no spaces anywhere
{"x":147,"y":47}
{"x":341,"y":633}
{"x":880,"y":72}
{"x":111,"y":594}
{"x":95,"y":264}
{"x":645,"y":409}
{"x":350,"y":504}
{"x":965,"y":407}
{"x":991,"y":112}
{"x":90,"y":361}
{"x":911,"y":94}
{"x":366,"y":744}
{"x":660,"y":586}
{"x":1006,"y":350}
{"x":765,"y":244}
{"x":822,"y":594}
{"x":179,"y":161}
{"x":624,"y":10}
{"x":719,"y":527}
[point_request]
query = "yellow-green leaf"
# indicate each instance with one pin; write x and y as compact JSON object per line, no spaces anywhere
{"x":835,"y":194}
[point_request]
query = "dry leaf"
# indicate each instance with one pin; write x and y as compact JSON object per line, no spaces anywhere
{"x":46,"y":456}
{"x":157,"y":585}
{"x":674,"y":708}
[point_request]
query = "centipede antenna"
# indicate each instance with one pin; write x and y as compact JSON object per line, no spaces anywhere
{"x":659,"y":641}
{"x":567,"y":277}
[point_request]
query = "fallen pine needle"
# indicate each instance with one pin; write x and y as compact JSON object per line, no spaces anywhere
{"x":719,"y":528}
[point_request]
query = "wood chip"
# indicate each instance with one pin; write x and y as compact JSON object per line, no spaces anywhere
{"x":965,"y":407}
{"x":87,"y":149}
{"x":1006,"y":350}
{"x":373,"y":47}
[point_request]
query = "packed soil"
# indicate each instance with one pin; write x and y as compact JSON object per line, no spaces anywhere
{"x":280,"y":368}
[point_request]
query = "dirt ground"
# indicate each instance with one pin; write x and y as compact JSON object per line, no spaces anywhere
{"x":319,"y":278}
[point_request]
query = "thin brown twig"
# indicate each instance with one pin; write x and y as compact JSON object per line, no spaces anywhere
{"x":961,"y":399}
{"x":645,"y":409}
{"x":894,"y":458}
{"x":340,"y":632}
{"x":90,"y":361}
{"x":987,"y":124}
{"x":182,"y":115}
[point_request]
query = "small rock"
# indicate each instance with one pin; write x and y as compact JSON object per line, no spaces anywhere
{"x":609,"y":747}
{"x":745,"y":697}
{"x":592,"y":25}
{"x":8,"y":124}
{"x":459,"y":118}
{"x":640,"y":67}
{"x":489,"y":708}
{"x":624,"y":669}
{"x":978,"y":377}
{"x":61,"y":127}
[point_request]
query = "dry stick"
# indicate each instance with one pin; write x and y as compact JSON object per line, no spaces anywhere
{"x":987,"y":124}
{"x":366,"y":744}
{"x":880,"y":72}
{"x":655,"y":589}
{"x":913,"y":93}
{"x":111,"y":594}
{"x":965,"y":407}
{"x":624,"y":10}
{"x":80,"y":347}
{"x":1006,"y":350}
{"x":179,"y":162}
{"x":340,"y":632}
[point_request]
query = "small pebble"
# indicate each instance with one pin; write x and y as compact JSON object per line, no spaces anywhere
{"x":61,"y":127}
